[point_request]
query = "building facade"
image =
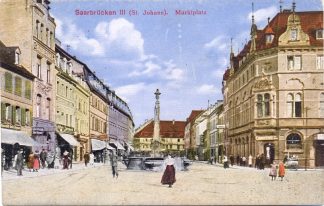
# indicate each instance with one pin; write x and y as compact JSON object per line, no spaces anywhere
{"x":171,"y":134}
{"x":274,"y":91}
{"x":16,"y":104}
{"x":72,"y":105}
{"x":36,"y":42}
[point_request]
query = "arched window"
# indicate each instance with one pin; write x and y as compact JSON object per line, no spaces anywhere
{"x":322,"y":105}
{"x":293,"y":141}
{"x":290,"y":101}
{"x":298,"y":104}
{"x":38,"y":105}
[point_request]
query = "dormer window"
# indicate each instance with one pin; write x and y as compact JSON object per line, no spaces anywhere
{"x":293,"y":35}
{"x":17,"y":58}
{"x":269,"y":38}
{"x":319,"y":34}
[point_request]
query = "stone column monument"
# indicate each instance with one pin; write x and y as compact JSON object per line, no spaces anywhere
{"x":156,"y":132}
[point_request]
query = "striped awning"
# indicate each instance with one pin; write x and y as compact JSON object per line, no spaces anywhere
{"x":9,"y":136}
{"x":117,"y":144}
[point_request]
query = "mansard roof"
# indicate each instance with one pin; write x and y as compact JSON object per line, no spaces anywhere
{"x":310,"y":21}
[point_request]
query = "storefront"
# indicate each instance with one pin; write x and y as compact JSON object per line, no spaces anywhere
{"x":66,"y":142}
{"x":12,"y":141}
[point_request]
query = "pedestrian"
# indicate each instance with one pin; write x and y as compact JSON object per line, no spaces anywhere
{"x":232,"y":160}
{"x":273,"y":171}
{"x":168,"y":177}
{"x":70,"y":158}
{"x":66,"y":160}
{"x":114,"y":163}
{"x":91,"y":159}
{"x":261,"y":162}
{"x":30,"y":163}
{"x":250,"y":160}
{"x":43,"y":156}
{"x":86,"y":157}
{"x":225,"y":162}
{"x":19,"y":159}
{"x":238,"y":160}
{"x":36,"y":164}
{"x":57,"y":158}
{"x":244,"y":161}
{"x":3,"y":160}
{"x":281,"y":170}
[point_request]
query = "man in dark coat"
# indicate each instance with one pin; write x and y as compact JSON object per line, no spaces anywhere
{"x":19,"y":162}
{"x":43,"y":156}
{"x":114,"y":163}
{"x":86,"y":158}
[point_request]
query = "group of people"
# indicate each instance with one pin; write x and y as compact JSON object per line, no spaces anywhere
{"x":277,"y":170}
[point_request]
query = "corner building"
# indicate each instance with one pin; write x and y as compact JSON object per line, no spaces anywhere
{"x":274,"y":91}
{"x":30,"y":27}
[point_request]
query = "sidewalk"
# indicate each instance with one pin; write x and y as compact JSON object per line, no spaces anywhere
{"x":12,"y":173}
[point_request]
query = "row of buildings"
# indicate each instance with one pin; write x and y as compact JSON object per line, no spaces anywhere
{"x":273,"y":97}
{"x":50,"y":99}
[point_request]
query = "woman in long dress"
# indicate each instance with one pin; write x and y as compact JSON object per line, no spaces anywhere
{"x":30,"y":163}
{"x":168,"y":177}
{"x":273,"y":171}
{"x":281,"y":170}
{"x":36,"y":162}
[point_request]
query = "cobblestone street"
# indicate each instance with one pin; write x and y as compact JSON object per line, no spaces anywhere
{"x":202,"y":184}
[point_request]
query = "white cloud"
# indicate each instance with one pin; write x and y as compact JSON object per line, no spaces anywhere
{"x":217,"y":43}
{"x":121,"y":38}
{"x":130,"y":90}
{"x":69,"y":34}
{"x":207,"y":89}
{"x":262,"y":15}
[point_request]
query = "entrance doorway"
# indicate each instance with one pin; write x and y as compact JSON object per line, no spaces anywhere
{"x":319,"y":153}
{"x":269,"y":153}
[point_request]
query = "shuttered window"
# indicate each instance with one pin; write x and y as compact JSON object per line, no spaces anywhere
{"x":27,"y":90}
{"x":18,"y":86}
{"x":8,"y":82}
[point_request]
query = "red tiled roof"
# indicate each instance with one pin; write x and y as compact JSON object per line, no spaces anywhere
{"x":310,"y":22}
{"x":168,"y":129}
{"x":193,"y":115}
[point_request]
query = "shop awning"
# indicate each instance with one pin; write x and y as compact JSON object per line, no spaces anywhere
{"x":117,"y":144}
{"x":9,"y":136}
{"x":129,"y":147}
{"x":70,"y":139}
{"x":97,"y":144}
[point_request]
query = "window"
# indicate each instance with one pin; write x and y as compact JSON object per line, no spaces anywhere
{"x":320,"y":62}
{"x":38,"y":105}
{"x":18,"y":115}
{"x":294,"y":105}
{"x":50,"y":39}
{"x":18,"y":86}
{"x":293,"y":35}
{"x":293,"y":141}
{"x":322,"y":105}
{"x":17,"y":58}
{"x":38,"y":65}
{"x":8,"y":112}
{"x":8,"y":82}
{"x":263,"y":105}
{"x":48,"y":106}
{"x":269,"y":38}
{"x":66,"y":119}
{"x":37,"y":29}
{"x":27,"y":121}
{"x":41,"y":32}
{"x":58,"y":59}
{"x":294,"y":62}
{"x":48,"y":73}
{"x":319,"y":34}
{"x":27,"y":89}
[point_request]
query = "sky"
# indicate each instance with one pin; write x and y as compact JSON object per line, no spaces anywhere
{"x":184,"y":56}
